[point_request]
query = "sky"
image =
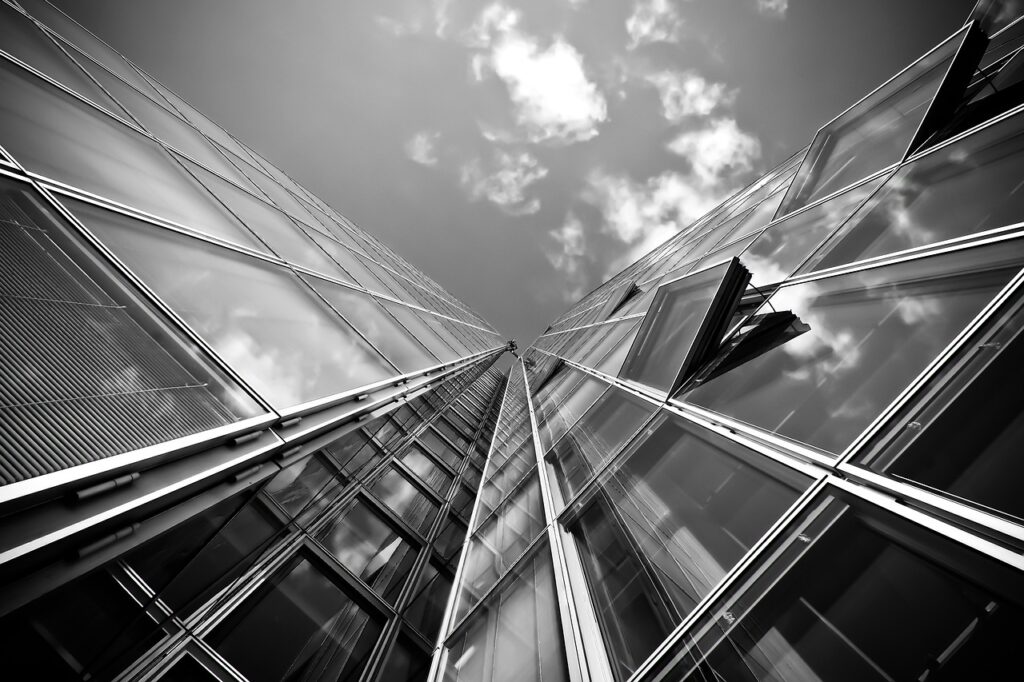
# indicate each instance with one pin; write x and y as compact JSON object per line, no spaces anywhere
{"x":521,"y":152}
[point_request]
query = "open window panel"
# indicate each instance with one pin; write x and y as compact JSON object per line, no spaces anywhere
{"x":685,"y":325}
{"x":890,"y":123}
{"x":619,"y":296}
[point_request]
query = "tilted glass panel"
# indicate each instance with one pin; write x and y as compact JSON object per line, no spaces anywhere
{"x":965,"y":434}
{"x":299,"y":623}
{"x":304,"y":488}
{"x":428,"y":471}
{"x":499,"y":542}
{"x":666,"y":525}
{"x":367,"y":545}
{"x":450,"y":538}
{"x":262,"y":320}
{"x":405,"y":663}
{"x":439,"y":447}
{"x":89,"y":371}
{"x":558,"y":417}
{"x":859,"y":594}
{"x":412,"y":321}
{"x":516,"y":635}
{"x":875,"y":133}
{"x":51,"y":133}
{"x":777,"y":251}
{"x":605,"y":428}
{"x":353,"y":452}
{"x":685,"y":321}
{"x":870,"y":334}
{"x":969,"y":186}
{"x":426,"y":609}
{"x":394,"y":490}
{"x":380,"y":329}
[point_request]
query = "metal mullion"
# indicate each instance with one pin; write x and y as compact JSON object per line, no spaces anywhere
{"x":582,"y":664}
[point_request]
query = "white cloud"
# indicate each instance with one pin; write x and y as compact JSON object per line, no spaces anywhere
{"x":505,"y":181}
{"x":774,"y":8}
{"x":570,"y":257}
{"x":553,"y":98}
{"x":688,"y":93}
{"x":653,"y":21}
{"x":717,"y":150}
{"x":422,"y":148}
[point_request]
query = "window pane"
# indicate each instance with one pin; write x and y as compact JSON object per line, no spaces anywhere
{"x":366,"y":545}
{"x":516,"y":636}
{"x":295,"y":487}
{"x":259,"y":317}
{"x":596,"y":437}
{"x":439,"y":447}
{"x":405,"y":663}
{"x":187,"y":669}
{"x":352,"y":453}
{"x":426,"y":610}
{"x":91,"y":372}
{"x":897,"y":607}
{"x":557,"y":414}
{"x":296,"y":625}
{"x":872,"y":135}
{"x":405,"y":500}
{"x":665,"y":527}
{"x":435,"y":478}
{"x":966,"y":187}
{"x":57,"y":136}
{"x":870,"y":334}
{"x":449,"y":541}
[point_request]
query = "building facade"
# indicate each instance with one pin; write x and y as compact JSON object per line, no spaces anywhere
{"x":240,"y":439}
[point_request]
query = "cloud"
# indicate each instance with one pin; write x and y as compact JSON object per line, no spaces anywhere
{"x":553,"y":98}
{"x":422,"y":148}
{"x":653,"y":21}
{"x":773,"y":8}
{"x":688,"y":93}
{"x":716,"y":150}
{"x":504,"y":181}
{"x":570,"y":257}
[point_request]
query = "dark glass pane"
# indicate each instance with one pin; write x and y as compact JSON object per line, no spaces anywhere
{"x":352,"y":453}
{"x":187,"y":669}
{"x":601,"y":432}
{"x":439,"y":447}
{"x":405,"y":663}
{"x":295,"y":487}
{"x":427,"y":607}
{"x":516,"y":635}
{"x":428,"y":471}
{"x":298,"y":624}
{"x":966,"y":187}
{"x":367,"y":545}
{"x":449,"y":541}
{"x":684,"y":321}
{"x":667,"y":524}
{"x":186,"y":564}
{"x":405,"y":500}
{"x":864,"y":595}
{"x":870,"y":334}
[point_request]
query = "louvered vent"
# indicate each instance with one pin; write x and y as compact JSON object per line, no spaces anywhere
{"x":80,"y":379}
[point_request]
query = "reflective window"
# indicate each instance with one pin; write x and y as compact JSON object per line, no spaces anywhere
{"x":600,"y":433}
{"x":367,"y":545}
{"x":557,"y":414}
{"x":404,"y":499}
{"x":666,"y":525}
{"x":428,"y":471}
{"x":90,"y":371}
{"x":966,"y":187}
{"x":299,"y":624}
{"x":439,"y":447}
{"x":53,"y":134}
{"x":897,"y":606}
{"x":406,"y":663}
{"x":874,"y":134}
{"x":685,"y":321}
{"x":352,"y":452}
{"x":413,"y":321}
{"x":296,"y":487}
{"x":262,"y":320}
{"x":869,"y":334}
{"x":426,"y":609}
{"x":449,"y":540}
{"x":516,"y":635}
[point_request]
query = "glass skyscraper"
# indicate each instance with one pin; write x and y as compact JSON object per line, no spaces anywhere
{"x":242,"y":439}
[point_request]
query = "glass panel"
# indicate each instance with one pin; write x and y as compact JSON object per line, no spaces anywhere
{"x":405,"y":663}
{"x":259,"y":317}
{"x":685,"y":320}
{"x":352,"y":453}
{"x":554,"y":418}
{"x":897,"y":607}
{"x":516,"y":635}
{"x":432,"y":475}
{"x":966,"y":439}
{"x":298,"y":624}
{"x":295,"y":487}
{"x":870,"y":333}
{"x":386,"y":335}
{"x":419,"y":329}
{"x":365,"y":544}
{"x":449,"y":541}
{"x":777,"y":251}
{"x":963,"y":188}
{"x":187,"y":669}
{"x":605,"y":428}
{"x":55,"y":135}
{"x":426,"y":609}
{"x":405,"y":500}
{"x":499,"y":542}
{"x":874,"y":134}
{"x":665,"y":527}
{"x":433,"y":442}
